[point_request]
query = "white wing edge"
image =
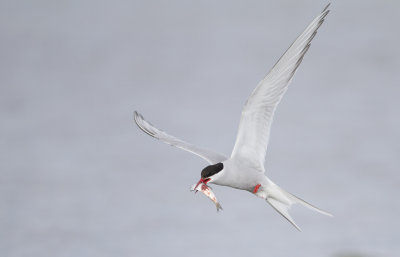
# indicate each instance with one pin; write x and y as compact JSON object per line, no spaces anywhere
{"x":149,"y":129}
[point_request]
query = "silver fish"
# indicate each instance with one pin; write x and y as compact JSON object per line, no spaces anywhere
{"x":207,"y":191}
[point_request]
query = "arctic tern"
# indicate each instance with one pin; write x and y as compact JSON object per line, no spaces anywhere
{"x":244,"y":169}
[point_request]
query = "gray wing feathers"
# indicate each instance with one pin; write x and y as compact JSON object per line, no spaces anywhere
{"x":149,"y":129}
{"x":256,"y":119}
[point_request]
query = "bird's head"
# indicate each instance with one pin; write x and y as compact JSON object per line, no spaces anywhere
{"x":209,"y":173}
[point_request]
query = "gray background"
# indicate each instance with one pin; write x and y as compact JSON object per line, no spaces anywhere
{"x":77,"y":178}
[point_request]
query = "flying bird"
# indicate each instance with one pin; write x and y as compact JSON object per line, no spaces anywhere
{"x":244,"y":169}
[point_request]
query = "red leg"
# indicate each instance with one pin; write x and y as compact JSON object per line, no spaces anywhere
{"x":256,"y":188}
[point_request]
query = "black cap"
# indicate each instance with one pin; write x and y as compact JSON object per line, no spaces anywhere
{"x":211,"y":170}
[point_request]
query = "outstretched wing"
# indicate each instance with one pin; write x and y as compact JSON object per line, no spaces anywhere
{"x":149,"y":129}
{"x":255,"y":122}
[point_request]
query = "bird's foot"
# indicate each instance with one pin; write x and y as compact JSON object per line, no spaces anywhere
{"x":256,"y":188}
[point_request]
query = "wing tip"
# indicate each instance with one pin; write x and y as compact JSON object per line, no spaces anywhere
{"x":137,"y":116}
{"x":324,"y":13}
{"x":143,"y":124}
{"x":326,"y":7}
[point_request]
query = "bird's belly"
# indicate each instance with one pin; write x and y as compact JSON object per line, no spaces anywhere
{"x":243,"y":178}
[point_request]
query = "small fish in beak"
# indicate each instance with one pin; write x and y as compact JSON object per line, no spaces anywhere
{"x":202,"y":187}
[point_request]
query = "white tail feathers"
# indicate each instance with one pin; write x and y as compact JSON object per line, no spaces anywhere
{"x":281,"y":201}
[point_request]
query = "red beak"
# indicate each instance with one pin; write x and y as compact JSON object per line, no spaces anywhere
{"x":204,"y":181}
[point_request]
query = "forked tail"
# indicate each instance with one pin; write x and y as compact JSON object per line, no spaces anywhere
{"x":281,"y":201}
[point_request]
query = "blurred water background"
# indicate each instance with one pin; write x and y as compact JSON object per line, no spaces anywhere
{"x":77,"y":178}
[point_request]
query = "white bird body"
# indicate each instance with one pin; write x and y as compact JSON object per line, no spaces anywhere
{"x":244,"y":169}
{"x":240,"y":176}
